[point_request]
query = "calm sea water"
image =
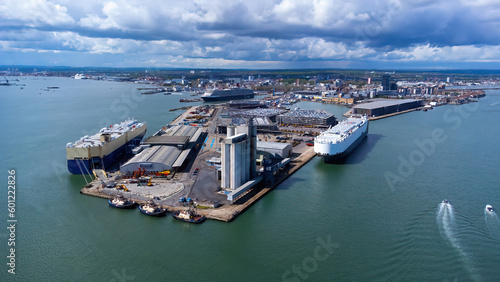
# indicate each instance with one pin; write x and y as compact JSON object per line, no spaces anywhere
{"x":377,"y":217}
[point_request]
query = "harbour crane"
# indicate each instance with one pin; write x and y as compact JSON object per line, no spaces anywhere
{"x":6,"y":83}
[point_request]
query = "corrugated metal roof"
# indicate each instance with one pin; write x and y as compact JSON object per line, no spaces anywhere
{"x":181,"y":130}
{"x":259,"y":121}
{"x":181,"y":158}
{"x":167,"y":140}
{"x":196,"y":135}
{"x":308,"y":113}
{"x":166,"y":155}
{"x":272,"y":145}
{"x":186,"y":131}
{"x":384,"y":103}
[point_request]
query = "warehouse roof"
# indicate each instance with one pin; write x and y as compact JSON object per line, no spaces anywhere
{"x":181,"y":130}
{"x":272,"y":145}
{"x":384,"y":103}
{"x":167,"y":140}
{"x":165,"y":155}
{"x":308,"y":113}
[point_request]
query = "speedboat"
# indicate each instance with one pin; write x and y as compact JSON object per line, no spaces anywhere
{"x":152,"y":209}
{"x":121,"y":202}
{"x":489,"y":208}
{"x":445,"y":201}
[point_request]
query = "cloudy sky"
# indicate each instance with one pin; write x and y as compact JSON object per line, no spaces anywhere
{"x":254,"y":34}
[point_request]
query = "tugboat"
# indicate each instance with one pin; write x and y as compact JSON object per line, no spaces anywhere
{"x":188,"y":216}
{"x":152,"y":209}
{"x":119,"y":201}
{"x":489,"y":208}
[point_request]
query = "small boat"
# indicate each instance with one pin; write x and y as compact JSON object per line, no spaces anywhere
{"x":188,"y":216}
{"x":119,"y":201}
{"x":152,"y":209}
{"x":489,"y":208}
{"x":445,"y":201}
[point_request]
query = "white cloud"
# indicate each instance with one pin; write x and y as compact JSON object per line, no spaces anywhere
{"x":35,"y":13}
{"x":219,"y":31}
{"x":468,"y":53}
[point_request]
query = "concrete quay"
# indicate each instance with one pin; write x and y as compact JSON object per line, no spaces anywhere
{"x":226,"y":212}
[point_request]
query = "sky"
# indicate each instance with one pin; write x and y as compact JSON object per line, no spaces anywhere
{"x":252,"y":34}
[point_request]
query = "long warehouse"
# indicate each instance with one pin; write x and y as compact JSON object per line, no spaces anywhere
{"x":386,"y":106}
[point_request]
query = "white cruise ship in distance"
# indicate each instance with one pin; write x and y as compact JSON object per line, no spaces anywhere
{"x":102,"y":149}
{"x":227,"y":94}
{"x":81,"y":76}
{"x":337,"y":142}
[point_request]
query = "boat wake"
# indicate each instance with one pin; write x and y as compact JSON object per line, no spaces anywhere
{"x":446,"y":223}
{"x":492,"y":222}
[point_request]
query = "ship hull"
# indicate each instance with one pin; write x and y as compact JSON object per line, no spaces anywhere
{"x":342,"y":156}
{"x":85,"y":165}
{"x":336,"y":153}
{"x":158,"y":213}
{"x":130,"y":205}
{"x":227,"y":98}
{"x":195,"y":219}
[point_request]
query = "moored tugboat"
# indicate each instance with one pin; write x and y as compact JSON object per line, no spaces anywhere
{"x":119,"y":201}
{"x":152,"y":209}
{"x":188,"y":216}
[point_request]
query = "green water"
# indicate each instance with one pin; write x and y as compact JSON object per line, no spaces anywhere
{"x":374,"y":229}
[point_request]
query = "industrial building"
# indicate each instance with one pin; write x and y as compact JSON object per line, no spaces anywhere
{"x":274,"y":150}
{"x":238,"y":155}
{"x":156,"y":158}
{"x":270,"y":113}
{"x":306,"y":117}
{"x":307,"y":92}
{"x":246,"y":104}
{"x":263,"y":118}
{"x":178,"y":135}
{"x":341,"y":99}
{"x":177,"y":141}
{"x":386,"y":106}
{"x":168,"y":149}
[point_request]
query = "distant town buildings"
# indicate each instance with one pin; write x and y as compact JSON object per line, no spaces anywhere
{"x":386,"y":82}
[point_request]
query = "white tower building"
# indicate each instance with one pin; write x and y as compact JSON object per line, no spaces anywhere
{"x":238,"y":156}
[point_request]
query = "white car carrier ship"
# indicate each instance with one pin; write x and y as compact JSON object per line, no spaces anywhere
{"x":337,"y":142}
{"x":102,"y":149}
